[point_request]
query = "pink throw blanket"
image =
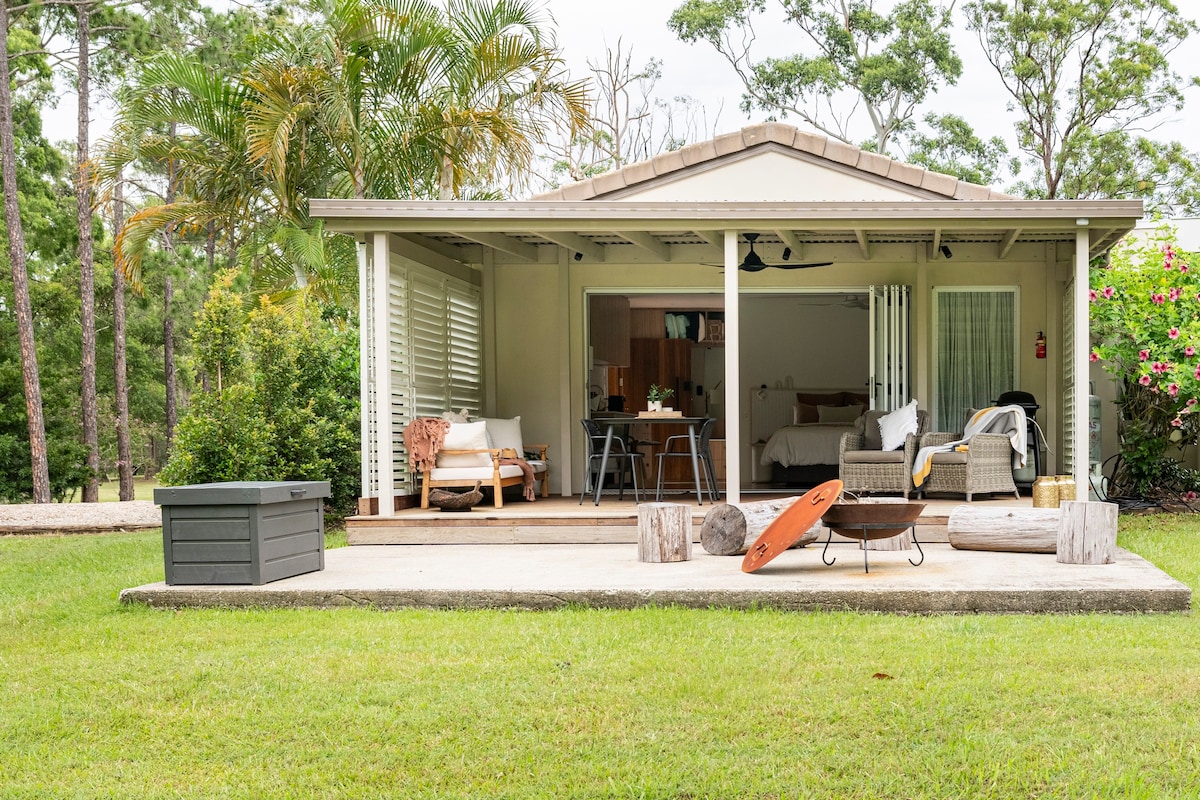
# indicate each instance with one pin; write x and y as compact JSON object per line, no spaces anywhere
{"x":526,"y":475}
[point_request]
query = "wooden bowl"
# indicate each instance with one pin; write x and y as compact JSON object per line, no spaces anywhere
{"x":843,"y":518}
{"x":455,"y":501}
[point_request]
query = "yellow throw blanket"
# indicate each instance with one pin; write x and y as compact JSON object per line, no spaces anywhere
{"x":1008,"y":420}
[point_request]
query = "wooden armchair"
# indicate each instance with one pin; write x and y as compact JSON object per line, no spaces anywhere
{"x":495,"y":475}
{"x":472,"y":453}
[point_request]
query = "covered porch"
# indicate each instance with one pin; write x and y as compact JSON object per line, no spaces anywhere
{"x":675,"y":226}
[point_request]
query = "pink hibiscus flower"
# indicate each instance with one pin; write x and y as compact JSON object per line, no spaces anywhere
{"x":1192,"y":401}
{"x":1189,"y":351}
{"x":1109,"y":292}
{"x":1177,"y":422}
{"x":1092,"y":295}
{"x":1095,"y":356}
{"x":1158,"y":299}
{"x":1143,"y":355}
{"x":1174,"y":294}
{"x":1190,"y":496}
{"x":1145,"y":379}
{"x":1173,"y":333}
{"x":1173,"y":389}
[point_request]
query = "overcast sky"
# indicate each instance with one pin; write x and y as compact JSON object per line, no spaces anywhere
{"x":586,"y":27}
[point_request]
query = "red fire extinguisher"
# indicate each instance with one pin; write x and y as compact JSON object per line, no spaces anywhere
{"x":1039,"y":345}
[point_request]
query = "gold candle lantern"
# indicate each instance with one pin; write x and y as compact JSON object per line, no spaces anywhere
{"x":1066,"y":488}
{"x":1045,"y":492}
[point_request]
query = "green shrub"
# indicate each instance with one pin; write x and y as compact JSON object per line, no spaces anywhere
{"x":282,"y":403}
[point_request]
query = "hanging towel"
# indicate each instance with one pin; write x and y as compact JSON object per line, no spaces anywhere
{"x":423,"y":439}
{"x":1008,"y":420}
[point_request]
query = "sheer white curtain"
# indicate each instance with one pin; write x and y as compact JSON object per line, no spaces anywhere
{"x":976,"y":350}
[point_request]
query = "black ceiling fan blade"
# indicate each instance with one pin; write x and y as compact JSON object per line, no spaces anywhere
{"x":802,"y":266}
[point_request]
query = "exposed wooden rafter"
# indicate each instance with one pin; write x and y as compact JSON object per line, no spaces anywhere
{"x":660,"y":250}
{"x":864,"y":245}
{"x":1007,"y":242}
{"x":502,"y":242}
{"x":790,"y":238}
{"x":573,"y":241}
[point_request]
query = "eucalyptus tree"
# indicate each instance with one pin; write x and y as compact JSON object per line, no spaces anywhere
{"x":18,"y":262}
{"x":851,"y":56}
{"x":1087,"y":78}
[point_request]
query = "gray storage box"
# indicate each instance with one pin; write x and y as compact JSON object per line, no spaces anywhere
{"x":242,"y":531}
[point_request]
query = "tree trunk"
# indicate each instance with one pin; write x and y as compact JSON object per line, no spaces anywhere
{"x":120,"y":384}
{"x":20,"y":276}
{"x":168,"y":321}
{"x":664,"y":532}
{"x":87,"y":266}
{"x":730,"y":528}
{"x":1004,"y":530}
{"x":1087,"y":533}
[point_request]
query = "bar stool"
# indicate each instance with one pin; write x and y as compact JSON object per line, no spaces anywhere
{"x":703,"y":453}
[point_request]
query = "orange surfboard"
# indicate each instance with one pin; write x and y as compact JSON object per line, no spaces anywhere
{"x":793,"y":523}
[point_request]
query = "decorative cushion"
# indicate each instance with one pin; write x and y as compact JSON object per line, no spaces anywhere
{"x":456,"y":416}
{"x":841,"y":414}
{"x":855,"y":399}
{"x":505,"y":434}
{"x":803,"y":413}
{"x":895,"y":427}
{"x":465,"y":436}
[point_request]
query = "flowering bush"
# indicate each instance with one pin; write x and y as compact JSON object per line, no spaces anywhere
{"x":1145,"y":324}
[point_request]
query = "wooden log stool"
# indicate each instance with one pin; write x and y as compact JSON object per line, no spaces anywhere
{"x":664,"y":532}
{"x":1003,"y":530}
{"x":1087,"y":533}
{"x":730,"y":528}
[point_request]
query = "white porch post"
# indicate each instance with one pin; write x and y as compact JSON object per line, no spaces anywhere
{"x":364,"y":366}
{"x":733,"y":374}
{"x":1082,"y":350}
{"x":383,"y":376}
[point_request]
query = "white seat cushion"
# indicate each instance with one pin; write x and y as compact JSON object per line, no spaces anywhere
{"x":465,"y":436}
{"x":483,"y":474}
{"x":505,"y":434}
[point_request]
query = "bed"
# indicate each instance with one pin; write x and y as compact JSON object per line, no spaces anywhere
{"x":797,"y":433}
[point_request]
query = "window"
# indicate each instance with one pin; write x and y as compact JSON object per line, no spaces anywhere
{"x":975,"y":350}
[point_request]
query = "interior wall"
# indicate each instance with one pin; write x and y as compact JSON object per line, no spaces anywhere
{"x":527,"y":354}
{"x":798,"y":341}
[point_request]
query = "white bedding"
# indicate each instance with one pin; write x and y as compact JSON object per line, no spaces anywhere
{"x":803,"y":445}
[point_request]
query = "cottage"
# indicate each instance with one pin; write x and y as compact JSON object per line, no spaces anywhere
{"x":915,"y":285}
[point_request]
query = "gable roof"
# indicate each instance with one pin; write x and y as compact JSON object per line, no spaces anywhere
{"x":674,"y":164}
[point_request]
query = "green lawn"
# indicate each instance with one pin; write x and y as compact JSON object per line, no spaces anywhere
{"x":110,"y":491}
{"x":102,"y":700}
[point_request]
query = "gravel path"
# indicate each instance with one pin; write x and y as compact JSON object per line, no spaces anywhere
{"x":33,"y":518}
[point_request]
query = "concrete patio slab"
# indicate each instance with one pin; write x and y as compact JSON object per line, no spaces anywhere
{"x":539,"y":577}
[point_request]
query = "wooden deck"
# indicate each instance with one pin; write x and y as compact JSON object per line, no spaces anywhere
{"x":561,"y":520}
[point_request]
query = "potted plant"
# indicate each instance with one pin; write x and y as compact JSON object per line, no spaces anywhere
{"x":655,"y":397}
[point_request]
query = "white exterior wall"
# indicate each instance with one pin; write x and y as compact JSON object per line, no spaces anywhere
{"x":530,"y":343}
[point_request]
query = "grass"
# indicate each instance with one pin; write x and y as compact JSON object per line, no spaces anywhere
{"x":143,"y":489}
{"x":102,"y":700}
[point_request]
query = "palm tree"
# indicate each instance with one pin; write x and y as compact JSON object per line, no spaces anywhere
{"x":376,"y":98}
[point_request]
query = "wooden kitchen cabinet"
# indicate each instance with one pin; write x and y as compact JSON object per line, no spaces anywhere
{"x":608,"y":315}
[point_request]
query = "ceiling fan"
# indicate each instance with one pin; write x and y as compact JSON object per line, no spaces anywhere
{"x":754,"y":263}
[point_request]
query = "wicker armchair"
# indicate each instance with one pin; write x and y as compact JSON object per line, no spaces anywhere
{"x":985,"y":467}
{"x":864,"y":467}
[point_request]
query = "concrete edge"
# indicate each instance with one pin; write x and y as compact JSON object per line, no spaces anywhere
{"x":915,"y":602}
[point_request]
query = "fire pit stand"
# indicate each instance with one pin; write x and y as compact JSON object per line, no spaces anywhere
{"x":867,"y":531}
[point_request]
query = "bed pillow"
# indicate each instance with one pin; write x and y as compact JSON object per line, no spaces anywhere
{"x":895,"y":427}
{"x":505,"y":434}
{"x":465,"y":436}
{"x":820,"y":398}
{"x":803,"y":413}
{"x":838,"y":414}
